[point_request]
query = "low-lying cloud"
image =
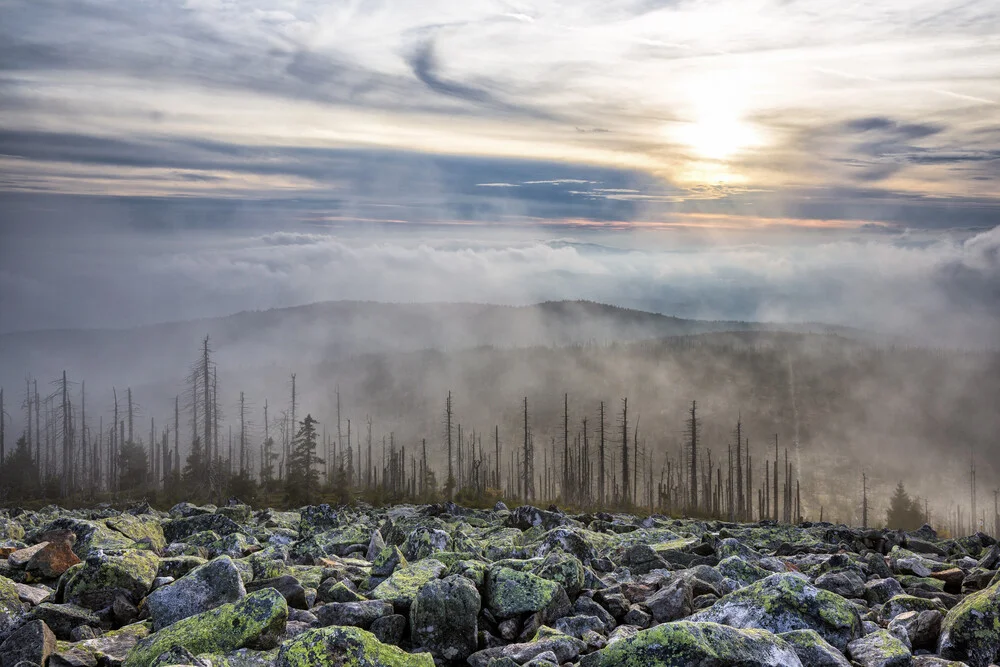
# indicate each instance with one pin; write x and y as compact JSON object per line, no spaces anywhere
{"x":927,"y":289}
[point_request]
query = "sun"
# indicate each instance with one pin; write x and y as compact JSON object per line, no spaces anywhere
{"x":716,"y":114}
{"x":717,"y":135}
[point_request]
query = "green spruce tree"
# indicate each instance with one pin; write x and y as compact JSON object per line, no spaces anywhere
{"x":303,"y":479}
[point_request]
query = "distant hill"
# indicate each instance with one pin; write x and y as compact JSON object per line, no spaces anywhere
{"x":332,"y":330}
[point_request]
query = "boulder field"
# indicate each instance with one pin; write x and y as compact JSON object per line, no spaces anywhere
{"x":418,"y":586}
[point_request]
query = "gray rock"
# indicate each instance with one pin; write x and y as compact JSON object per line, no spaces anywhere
{"x":357,"y":614}
{"x":443,"y":618}
{"x":62,"y":618}
{"x":845,"y":583}
{"x":880,"y":649}
{"x":920,"y":630}
{"x":389,"y":629}
{"x":880,"y":591}
{"x":216,"y":583}
{"x":32,"y":643}
{"x":670,"y":603}
{"x":289,"y":587}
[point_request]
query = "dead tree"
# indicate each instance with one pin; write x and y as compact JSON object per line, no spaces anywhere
{"x":529,"y":458}
{"x":601,"y":484}
{"x":450,"y":482}
{"x":625,"y":474}
{"x":693,"y":456}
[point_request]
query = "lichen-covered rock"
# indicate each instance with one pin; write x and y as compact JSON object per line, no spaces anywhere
{"x":510,"y":592}
{"x":32,"y":643}
{"x":443,"y":617}
{"x":179,"y":530}
{"x":257,"y":621}
{"x":899,"y":604}
{"x":784,"y":602}
{"x":95,"y":583}
{"x":401,"y":587}
{"x":343,"y":646}
{"x":139,"y":528}
{"x":206,"y":587}
{"x":422,"y":542}
{"x":289,"y":587}
{"x":879,"y":649}
{"x":880,"y":591}
{"x":111,"y":647}
{"x":743,"y":571}
{"x":684,"y":643}
{"x":813,"y":650}
{"x":12,"y":609}
{"x":335,"y":542}
{"x":971,"y":630}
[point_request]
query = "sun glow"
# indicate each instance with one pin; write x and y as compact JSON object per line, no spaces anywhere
{"x":716,"y":131}
{"x":717,"y":135}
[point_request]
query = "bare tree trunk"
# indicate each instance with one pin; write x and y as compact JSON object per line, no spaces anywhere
{"x":625,"y":473}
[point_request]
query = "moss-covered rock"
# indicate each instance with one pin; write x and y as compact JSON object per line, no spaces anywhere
{"x":685,"y":643}
{"x":510,"y":592}
{"x":335,"y":542}
{"x":95,"y":583}
{"x":899,"y":604}
{"x":402,"y":586}
{"x":443,"y":617}
{"x":971,"y":630}
{"x":785,"y":602}
{"x":139,"y":528}
{"x":562,"y":568}
{"x":11,"y":608}
{"x":257,"y":621}
{"x":742,"y":571}
{"x":422,"y":542}
{"x":813,"y":650}
{"x":345,"y":647}
{"x":879,"y":649}
{"x":179,"y":530}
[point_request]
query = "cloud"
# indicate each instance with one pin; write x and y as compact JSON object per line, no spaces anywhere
{"x":925,"y":288}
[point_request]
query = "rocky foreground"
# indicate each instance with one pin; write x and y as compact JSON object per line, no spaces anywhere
{"x":440,"y":584}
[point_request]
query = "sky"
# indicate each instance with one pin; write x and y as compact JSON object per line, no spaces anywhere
{"x":753,"y":159}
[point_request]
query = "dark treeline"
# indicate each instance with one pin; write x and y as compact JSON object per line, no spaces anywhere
{"x":600,"y":455}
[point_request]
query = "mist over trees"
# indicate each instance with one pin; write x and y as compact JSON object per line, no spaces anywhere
{"x":579,"y":447}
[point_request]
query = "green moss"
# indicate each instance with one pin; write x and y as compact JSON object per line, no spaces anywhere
{"x":971,"y":630}
{"x":510,"y":592}
{"x":341,"y":646}
{"x":401,"y":587}
{"x":257,"y":621}
{"x":684,"y":643}
{"x":138,"y":528}
{"x":93,"y":582}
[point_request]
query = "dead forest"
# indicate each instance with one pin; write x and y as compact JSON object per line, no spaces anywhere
{"x":424,"y":427}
